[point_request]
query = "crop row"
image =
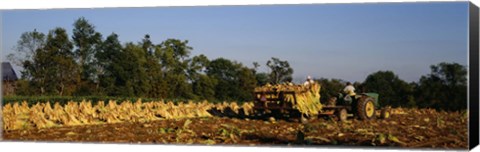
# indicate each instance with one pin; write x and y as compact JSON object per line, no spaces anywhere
{"x":45,"y":115}
{"x":63,"y":100}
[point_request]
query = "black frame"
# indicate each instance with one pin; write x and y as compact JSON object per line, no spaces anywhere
{"x":473,"y":76}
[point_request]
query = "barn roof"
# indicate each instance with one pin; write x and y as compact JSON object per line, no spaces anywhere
{"x":8,"y":74}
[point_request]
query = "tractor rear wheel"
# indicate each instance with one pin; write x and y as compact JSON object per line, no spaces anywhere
{"x":366,"y":108}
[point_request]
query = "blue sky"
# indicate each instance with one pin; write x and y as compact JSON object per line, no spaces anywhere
{"x":346,"y":41}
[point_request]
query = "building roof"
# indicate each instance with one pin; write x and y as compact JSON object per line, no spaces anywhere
{"x":8,"y":74}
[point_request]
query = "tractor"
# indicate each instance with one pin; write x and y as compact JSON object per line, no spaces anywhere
{"x":305,"y":101}
{"x":364,"y":106}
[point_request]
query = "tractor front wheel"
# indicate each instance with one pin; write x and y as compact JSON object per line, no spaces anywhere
{"x":366,"y":108}
{"x":342,"y":114}
{"x":385,"y":113}
{"x":259,"y":113}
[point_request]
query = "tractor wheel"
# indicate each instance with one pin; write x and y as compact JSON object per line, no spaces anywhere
{"x":277,"y":114}
{"x":259,"y":113}
{"x":385,"y":113}
{"x":366,"y":108}
{"x":342,"y":114}
{"x":294,"y":113}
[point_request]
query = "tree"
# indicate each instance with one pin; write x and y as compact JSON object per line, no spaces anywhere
{"x":55,"y":71}
{"x":330,"y":88}
{"x":235,"y":81}
{"x":26,"y":49}
{"x":223,"y":70}
{"x":153,"y":69}
{"x":86,"y":41}
{"x":136,"y":77}
{"x":24,"y":88}
{"x":197,"y":66}
{"x":280,"y":70}
{"x":174,"y":55}
{"x":247,"y":83}
{"x":444,"y":88}
{"x":109,"y":58}
{"x":393,"y":91}
{"x":203,"y":86}
{"x":262,"y":78}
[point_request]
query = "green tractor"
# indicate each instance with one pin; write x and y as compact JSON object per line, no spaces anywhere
{"x":365,"y":106}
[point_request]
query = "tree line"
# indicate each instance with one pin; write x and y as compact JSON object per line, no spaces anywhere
{"x":87,"y":64}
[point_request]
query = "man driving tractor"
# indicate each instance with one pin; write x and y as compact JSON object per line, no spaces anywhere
{"x":349,"y":93}
{"x":349,"y":89}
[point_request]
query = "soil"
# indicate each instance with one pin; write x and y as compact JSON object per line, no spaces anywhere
{"x":411,"y":128}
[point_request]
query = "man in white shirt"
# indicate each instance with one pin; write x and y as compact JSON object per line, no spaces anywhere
{"x":349,"y":92}
{"x":308,"y":81}
{"x":349,"y":89}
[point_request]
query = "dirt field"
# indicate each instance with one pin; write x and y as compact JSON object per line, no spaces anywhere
{"x":406,"y":128}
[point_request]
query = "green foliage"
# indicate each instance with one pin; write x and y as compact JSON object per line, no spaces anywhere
{"x":262,"y":78}
{"x":444,"y":88}
{"x":247,"y":83}
{"x":235,"y":81}
{"x":86,"y":41}
{"x":54,"y":69}
{"x":330,"y":88}
{"x":281,"y":70}
{"x":86,"y":88}
{"x":204,"y":87}
{"x":154,"y":74}
{"x":393,"y":91}
{"x":26,"y":49}
{"x":223,"y":71}
{"x":88,"y":65}
{"x":110,"y":57}
{"x":174,"y":55}
{"x":134,"y":63}
{"x":23,"y":87}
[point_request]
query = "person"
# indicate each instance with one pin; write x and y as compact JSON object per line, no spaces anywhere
{"x":349,"y":92}
{"x":349,"y":89}
{"x":308,"y":81}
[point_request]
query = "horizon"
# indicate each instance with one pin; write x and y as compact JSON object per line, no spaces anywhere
{"x":343,"y":41}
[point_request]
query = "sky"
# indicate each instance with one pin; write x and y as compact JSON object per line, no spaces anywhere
{"x":345,"y":41}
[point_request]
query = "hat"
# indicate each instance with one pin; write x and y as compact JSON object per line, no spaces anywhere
{"x":309,"y":77}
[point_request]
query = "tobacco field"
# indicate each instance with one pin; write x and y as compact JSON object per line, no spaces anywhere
{"x":205,"y":123}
